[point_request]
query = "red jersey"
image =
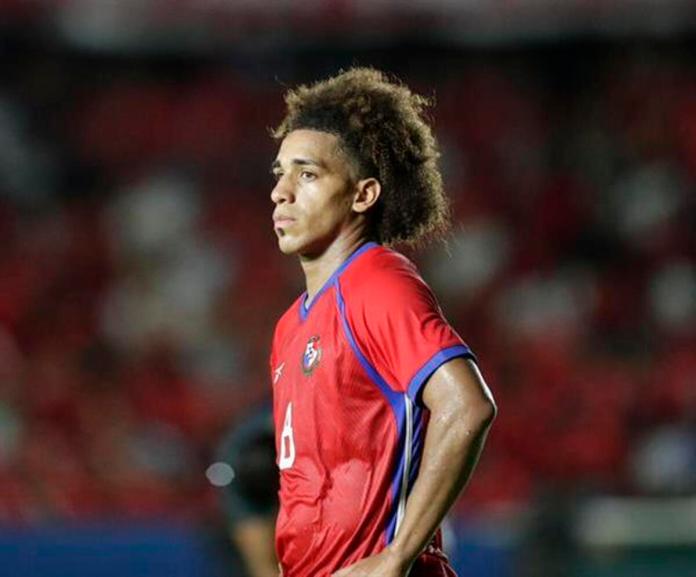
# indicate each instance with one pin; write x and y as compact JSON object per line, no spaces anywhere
{"x":348,"y":372}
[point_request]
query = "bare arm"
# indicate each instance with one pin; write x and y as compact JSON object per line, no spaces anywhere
{"x":462,"y":410}
{"x":254,"y":538}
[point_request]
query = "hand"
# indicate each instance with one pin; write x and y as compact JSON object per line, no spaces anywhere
{"x":384,"y":564}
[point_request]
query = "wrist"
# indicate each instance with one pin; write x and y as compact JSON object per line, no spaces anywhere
{"x":401,"y":558}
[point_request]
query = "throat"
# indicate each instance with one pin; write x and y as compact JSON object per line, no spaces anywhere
{"x":316,"y":276}
{"x":319,"y":270}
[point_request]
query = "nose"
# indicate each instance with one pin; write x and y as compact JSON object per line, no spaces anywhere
{"x":282,"y":191}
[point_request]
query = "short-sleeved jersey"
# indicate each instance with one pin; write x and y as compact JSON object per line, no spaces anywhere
{"x":348,"y":371}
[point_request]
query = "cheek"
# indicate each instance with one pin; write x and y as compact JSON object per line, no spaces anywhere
{"x":326,"y":209}
{"x":334,"y":214}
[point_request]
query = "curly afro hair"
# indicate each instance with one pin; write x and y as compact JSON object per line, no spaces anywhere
{"x":381,"y":127}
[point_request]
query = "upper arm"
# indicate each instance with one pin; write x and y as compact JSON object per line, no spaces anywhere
{"x":457,"y":387}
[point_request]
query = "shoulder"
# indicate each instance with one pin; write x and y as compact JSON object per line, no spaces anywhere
{"x":384,"y":259}
{"x":383,"y":277}
{"x":394,"y":321}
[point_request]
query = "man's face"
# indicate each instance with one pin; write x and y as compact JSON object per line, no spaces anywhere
{"x":313,"y":194}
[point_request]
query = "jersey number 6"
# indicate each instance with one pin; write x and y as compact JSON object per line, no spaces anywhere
{"x":287,"y":442}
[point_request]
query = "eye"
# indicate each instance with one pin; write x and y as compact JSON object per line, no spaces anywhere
{"x":277,"y":175}
{"x":307,"y":175}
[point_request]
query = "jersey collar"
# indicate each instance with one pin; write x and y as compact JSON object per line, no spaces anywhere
{"x":304,"y":309}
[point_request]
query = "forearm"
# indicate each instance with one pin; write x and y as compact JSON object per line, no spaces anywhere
{"x":453,"y":443}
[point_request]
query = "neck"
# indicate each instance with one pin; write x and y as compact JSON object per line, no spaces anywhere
{"x":318,"y":269}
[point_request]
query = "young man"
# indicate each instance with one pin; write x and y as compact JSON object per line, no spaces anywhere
{"x":379,"y":407}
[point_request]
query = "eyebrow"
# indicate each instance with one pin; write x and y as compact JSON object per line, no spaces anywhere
{"x":298,"y":162}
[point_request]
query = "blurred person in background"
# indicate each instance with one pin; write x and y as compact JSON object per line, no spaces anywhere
{"x":380,"y":409}
{"x":247,"y":471}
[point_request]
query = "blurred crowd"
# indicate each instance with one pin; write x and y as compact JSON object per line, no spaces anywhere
{"x":140,"y":280}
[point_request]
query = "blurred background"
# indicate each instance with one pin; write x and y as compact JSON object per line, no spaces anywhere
{"x":140,"y":280}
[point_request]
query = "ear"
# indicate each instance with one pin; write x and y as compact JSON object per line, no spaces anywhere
{"x":367,"y":193}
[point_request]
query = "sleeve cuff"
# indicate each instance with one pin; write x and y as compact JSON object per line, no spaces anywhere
{"x":435,"y":362}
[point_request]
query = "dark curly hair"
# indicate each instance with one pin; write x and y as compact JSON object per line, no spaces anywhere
{"x":381,"y":127}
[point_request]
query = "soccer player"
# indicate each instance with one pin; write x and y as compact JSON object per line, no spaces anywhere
{"x":380,"y":409}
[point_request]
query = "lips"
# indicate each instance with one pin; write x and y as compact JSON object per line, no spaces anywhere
{"x":282,"y":220}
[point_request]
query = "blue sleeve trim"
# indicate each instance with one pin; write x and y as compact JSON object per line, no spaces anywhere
{"x":435,"y":362}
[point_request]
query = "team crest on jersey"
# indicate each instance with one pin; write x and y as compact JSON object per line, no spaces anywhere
{"x":311,"y":356}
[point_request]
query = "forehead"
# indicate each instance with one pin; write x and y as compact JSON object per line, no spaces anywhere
{"x":314,"y":145}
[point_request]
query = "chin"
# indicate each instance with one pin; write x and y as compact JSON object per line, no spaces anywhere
{"x":300,"y":246}
{"x":287,"y":246}
{"x":287,"y":251}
